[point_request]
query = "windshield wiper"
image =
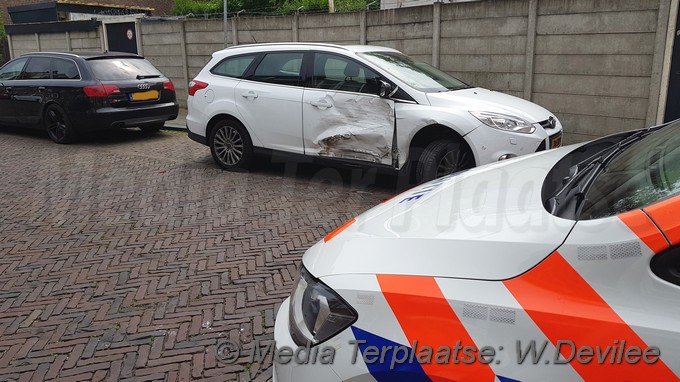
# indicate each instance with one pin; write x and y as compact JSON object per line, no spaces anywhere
{"x":568,"y":199}
{"x":144,"y":76}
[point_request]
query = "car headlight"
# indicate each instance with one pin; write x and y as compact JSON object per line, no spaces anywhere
{"x":504,"y":122}
{"x":317,"y":313}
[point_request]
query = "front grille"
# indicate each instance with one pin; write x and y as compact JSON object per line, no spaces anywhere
{"x":542,"y":146}
{"x":547,"y":125}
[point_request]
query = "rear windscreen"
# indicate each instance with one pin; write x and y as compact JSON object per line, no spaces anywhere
{"x":114,"y":69}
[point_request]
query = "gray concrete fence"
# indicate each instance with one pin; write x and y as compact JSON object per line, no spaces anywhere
{"x":598,"y":64}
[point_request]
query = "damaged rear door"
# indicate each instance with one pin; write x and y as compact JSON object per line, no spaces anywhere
{"x":342,"y":114}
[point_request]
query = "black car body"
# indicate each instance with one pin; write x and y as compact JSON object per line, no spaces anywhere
{"x":67,"y":94}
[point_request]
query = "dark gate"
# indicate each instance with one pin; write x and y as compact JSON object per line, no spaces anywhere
{"x":122,"y":37}
{"x":673,"y":99}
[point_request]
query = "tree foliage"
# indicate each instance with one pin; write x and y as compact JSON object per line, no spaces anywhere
{"x":3,"y":39}
{"x":273,"y":7}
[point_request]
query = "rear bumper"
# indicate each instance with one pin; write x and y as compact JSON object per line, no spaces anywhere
{"x":108,"y":117}
{"x":198,"y":138}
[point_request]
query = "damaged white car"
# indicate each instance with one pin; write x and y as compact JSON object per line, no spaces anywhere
{"x":361,"y":105}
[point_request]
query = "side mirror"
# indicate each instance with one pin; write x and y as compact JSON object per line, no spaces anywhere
{"x":386,"y":89}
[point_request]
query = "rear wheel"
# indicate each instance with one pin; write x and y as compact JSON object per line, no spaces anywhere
{"x":57,"y":124}
{"x":441,"y":158}
{"x":230,"y":145}
{"x":152,"y":128}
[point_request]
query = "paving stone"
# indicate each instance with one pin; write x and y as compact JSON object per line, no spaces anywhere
{"x":126,"y":256}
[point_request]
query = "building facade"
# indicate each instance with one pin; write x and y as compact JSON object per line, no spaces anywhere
{"x":159,"y":7}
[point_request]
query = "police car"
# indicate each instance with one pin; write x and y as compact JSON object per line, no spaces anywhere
{"x":558,"y":266}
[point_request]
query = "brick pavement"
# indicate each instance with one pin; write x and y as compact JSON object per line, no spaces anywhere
{"x":127,"y":257}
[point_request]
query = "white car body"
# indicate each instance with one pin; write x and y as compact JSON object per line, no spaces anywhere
{"x":477,"y":258}
{"x":359,"y":126}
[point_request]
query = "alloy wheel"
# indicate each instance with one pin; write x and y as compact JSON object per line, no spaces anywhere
{"x":56,"y":125}
{"x":228,"y":145}
{"x":452,"y":162}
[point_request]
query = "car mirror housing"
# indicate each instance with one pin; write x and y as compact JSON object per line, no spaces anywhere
{"x":386,"y":89}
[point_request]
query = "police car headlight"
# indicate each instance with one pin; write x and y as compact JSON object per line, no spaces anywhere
{"x":504,"y":122}
{"x":317,"y":313}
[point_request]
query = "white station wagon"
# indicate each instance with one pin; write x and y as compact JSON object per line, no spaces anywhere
{"x":358,"y":105}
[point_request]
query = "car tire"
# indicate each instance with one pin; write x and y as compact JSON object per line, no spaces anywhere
{"x":441,"y":158}
{"x":153,"y":128}
{"x":230,"y":145}
{"x":58,"y":125}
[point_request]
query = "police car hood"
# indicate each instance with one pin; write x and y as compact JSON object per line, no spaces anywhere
{"x":487,"y":223}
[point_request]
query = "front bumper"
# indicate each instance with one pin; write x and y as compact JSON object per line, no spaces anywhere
{"x":292,"y":372}
{"x":489,"y":145}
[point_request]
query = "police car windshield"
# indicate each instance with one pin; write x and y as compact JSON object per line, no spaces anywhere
{"x":642,"y":174}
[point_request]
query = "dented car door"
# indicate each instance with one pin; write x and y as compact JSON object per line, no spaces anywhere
{"x":343,"y":116}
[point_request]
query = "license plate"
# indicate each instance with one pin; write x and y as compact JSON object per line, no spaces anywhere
{"x":144,"y":96}
{"x":556,"y":141}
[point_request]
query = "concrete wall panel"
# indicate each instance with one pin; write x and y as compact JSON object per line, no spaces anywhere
{"x":603,"y":65}
{"x":324,"y":21}
{"x":548,"y":7}
{"x":509,"y":26}
{"x":485,"y":9}
{"x":578,"y":128}
{"x":621,"y":107}
{"x":484,"y":63}
{"x":637,"y":87}
{"x":397,"y":32}
{"x":53,"y":42}
{"x":484,"y":45}
{"x":337,"y":35}
{"x":495,"y":81}
{"x":634,"y":43}
{"x":605,"y":22}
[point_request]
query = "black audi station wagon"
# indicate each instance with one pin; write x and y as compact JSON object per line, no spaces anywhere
{"x":67,"y":94}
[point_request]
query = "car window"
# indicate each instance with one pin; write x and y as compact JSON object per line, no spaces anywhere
{"x":115,"y":69}
{"x":279,"y":68}
{"x":12,"y":70}
{"x":38,"y":68}
{"x":646,"y":172}
{"x":64,"y":69}
{"x":339,"y":73}
{"x":234,"y":66}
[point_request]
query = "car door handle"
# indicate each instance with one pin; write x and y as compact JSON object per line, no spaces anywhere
{"x":41,"y":89}
{"x":249,"y":94}
{"x":321,"y":104}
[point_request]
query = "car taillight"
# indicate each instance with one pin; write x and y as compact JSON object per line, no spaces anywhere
{"x":101,"y":90}
{"x":195,"y":86}
{"x":168,"y":85}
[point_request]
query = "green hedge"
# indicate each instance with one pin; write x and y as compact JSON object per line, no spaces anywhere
{"x":275,"y":7}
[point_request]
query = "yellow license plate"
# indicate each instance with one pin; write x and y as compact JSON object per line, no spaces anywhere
{"x":144,"y":96}
{"x":556,"y":141}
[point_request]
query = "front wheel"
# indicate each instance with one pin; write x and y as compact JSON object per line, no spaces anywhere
{"x":57,"y":124}
{"x":230,"y":145}
{"x":441,"y":158}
